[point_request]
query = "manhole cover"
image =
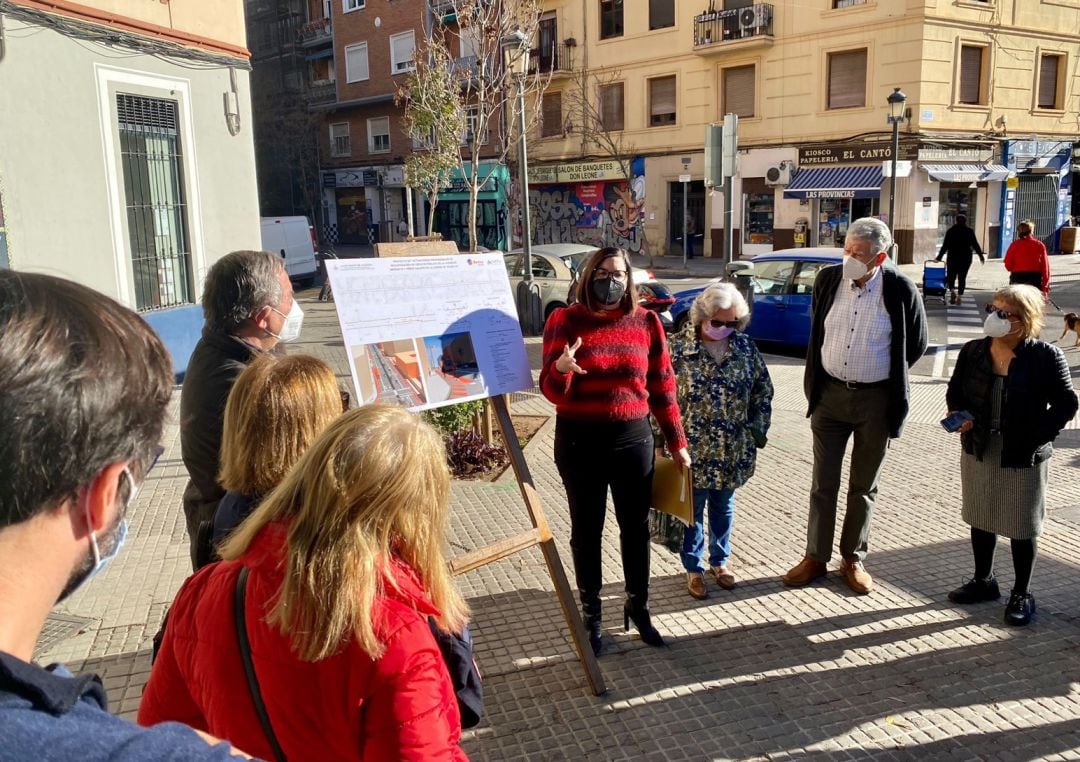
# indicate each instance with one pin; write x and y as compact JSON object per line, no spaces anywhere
{"x":59,"y":627}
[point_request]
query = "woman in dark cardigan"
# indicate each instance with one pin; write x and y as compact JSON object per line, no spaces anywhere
{"x":1019,"y":393}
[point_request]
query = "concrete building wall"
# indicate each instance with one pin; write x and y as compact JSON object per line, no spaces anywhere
{"x":60,"y":167}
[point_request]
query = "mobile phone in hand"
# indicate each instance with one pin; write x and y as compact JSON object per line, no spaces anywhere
{"x":956,"y":420}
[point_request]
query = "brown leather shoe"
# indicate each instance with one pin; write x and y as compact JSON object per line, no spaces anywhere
{"x":805,"y":572}
{"x":695,"y":585}
{"x":857,"y":577}
{"x":723,"y":577}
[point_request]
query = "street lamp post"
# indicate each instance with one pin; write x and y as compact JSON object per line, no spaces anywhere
{"x":896,"y":116}
{"x":529,"y":306}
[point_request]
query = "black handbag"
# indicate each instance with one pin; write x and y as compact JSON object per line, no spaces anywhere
{"x":249,"y":666}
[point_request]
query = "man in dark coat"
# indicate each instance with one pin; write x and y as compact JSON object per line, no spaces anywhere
{"x":246,"y":300}
{"x":960,"y":241}
{"x":868,"y":328}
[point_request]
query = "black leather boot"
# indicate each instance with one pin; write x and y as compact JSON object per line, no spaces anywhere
{"x":639,"y":615}
{"x":592,"y":627}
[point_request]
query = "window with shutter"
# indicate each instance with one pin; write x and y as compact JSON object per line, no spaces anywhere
{"x":661,"y":14}
{"x":356,"y":62}
{"x":551,"y":115}
{"x":378,"y":134}
{"x":339,"y":139}
{"x":1049,"y":66}
{"x":739,"y":91}
{"x":847,"y":79}
{"x":401,"y":51}
{"x":661,"y":101}
{"x":971,"y":74}
{"x":611,"y":106}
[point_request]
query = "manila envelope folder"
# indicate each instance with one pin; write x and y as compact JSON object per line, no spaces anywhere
{"x":672,"y":492}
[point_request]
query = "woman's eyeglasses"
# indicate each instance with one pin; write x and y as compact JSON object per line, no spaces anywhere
{"x":601,"y":274}
{"x":1003,"y":314}
{"x":724,"y":323}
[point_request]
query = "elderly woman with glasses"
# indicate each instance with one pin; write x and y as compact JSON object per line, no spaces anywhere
{"x":605,"y":366}
{"x":725,"y":396}
{"x":1009,"y":396}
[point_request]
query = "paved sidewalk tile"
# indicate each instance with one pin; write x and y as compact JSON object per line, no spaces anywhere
{"x":760,"y":672}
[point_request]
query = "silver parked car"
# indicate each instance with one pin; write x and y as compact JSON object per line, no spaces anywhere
{"x":556,"y":267}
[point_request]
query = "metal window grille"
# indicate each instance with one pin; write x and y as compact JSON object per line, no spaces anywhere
{"x":154,"y":197}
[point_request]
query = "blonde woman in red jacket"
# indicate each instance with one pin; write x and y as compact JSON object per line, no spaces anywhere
{"x":1026,"y":259}
{"x":345,"y":565}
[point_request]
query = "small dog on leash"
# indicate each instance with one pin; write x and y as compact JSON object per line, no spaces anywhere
{"x":1072,"y":323}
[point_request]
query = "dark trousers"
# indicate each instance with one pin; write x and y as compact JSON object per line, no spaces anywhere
{"x":1027,"y":278}
{"x":591,"y":457}
{"x":199,"y":518}
{"x":840,"y":414}
{"x":956,"y":269}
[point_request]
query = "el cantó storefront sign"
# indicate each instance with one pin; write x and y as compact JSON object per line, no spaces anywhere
{"x":851,"y":153}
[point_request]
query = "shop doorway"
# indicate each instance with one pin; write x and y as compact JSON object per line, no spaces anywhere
{"x":835,"y":215}
{"x":352,"y":216}
{"x":695,"y":218}
{"x":452,"y":221}
{"x":955,"y":200}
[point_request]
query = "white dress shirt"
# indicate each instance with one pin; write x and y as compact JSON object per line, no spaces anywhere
{"x":858,"y":333}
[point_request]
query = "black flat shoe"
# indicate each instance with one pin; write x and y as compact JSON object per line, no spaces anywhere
{"x":643,"y":622}
{"x":976,"y":591}
{"x":1019,"y":609}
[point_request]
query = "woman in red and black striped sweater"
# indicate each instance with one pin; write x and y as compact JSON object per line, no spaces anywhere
{"x":606,"y":367}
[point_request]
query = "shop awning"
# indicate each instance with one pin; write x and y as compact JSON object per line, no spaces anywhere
{"x":966,"y":173}
{"x":862,"y":181}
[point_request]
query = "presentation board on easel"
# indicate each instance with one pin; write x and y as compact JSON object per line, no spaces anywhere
{"x":428,"y":331}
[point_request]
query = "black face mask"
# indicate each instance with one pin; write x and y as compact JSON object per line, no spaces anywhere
{"x":608,"y":291}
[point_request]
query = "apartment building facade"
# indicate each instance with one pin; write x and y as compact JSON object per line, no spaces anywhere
{"x":127,"y":160}
{"x":355,"y":55}
{"x":991,"y":116}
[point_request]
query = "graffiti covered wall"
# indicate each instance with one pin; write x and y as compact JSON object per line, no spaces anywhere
{"x":601,"y":213}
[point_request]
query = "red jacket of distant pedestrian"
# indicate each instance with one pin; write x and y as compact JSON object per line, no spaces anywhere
{"x":345,"y":707}
{"x":1028,"y":255}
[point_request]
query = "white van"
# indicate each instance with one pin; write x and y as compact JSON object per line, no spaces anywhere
{"x":293,"y":239}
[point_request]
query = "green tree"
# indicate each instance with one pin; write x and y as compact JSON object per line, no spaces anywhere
{"x":435,"y":121}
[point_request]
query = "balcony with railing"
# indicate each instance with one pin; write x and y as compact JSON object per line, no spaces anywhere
{"x":735,"y":29}
{"x":315,"y":33}
{"x":321,"y":93}
{"x":558,"y":60}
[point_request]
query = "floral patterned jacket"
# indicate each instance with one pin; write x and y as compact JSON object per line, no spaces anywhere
{"x":725,"y":406}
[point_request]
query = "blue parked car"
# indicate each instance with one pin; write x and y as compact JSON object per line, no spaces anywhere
{"x":783,"y":284}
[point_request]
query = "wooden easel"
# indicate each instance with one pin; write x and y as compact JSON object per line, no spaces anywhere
{"x":540,"y":534}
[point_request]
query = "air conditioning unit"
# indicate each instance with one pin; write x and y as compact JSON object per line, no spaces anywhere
{"x":779,"y":175}
{"x":747,"y":22}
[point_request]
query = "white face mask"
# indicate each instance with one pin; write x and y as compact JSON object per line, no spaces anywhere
{"x":294,"y":321}
{"x":996,"y":327}
{"x":854,"y":268}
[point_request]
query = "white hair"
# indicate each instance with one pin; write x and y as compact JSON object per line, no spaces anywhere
{"x":873,"y":231}
{"x":719,"y":296}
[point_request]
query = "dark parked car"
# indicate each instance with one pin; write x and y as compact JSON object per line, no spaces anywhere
{"x":783,"y":283}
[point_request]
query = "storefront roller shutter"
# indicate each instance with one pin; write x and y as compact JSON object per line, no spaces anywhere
{"x":739,"y":91}
{"x":847,"y":79}
{"x":1037,"y":200}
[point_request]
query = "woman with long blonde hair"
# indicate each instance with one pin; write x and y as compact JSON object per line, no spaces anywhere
{"x":344,"y":564}
{"x":276,"y":408}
